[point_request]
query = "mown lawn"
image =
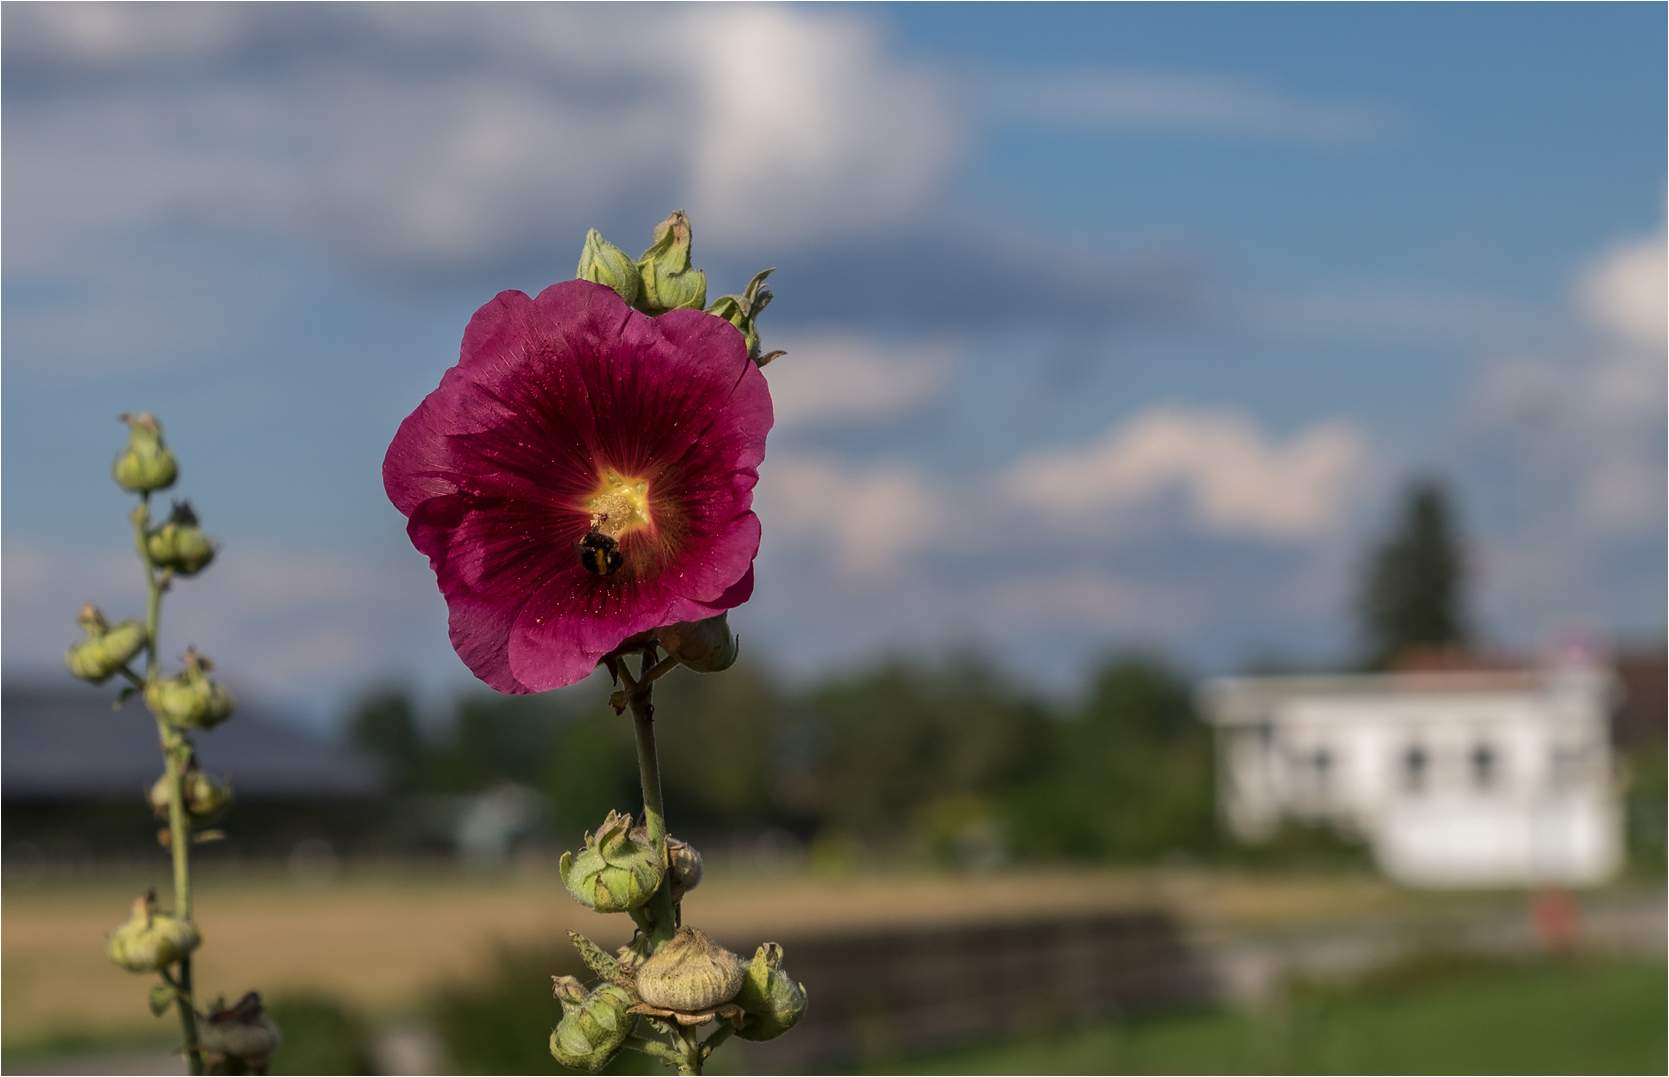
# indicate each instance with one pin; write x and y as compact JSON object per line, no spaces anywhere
{"x":1435,"y":1016}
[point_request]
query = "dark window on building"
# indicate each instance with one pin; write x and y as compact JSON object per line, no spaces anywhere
{"x":1483,"y":766}
{"x":1322,"y":764}
{"x":1416,"y":766}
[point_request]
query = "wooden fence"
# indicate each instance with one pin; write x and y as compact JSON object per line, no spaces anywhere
{"x":883,"y":994}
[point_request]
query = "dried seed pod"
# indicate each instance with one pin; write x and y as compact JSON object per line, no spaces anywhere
{"x":241,"y":1032}
{"x":689,"y":974}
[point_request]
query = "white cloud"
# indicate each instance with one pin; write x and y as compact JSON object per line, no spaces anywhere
{"x":1237,"y":480}
{"x":1626,"y":292}
{"x":1152,"y":101}
{"x":873,"y":520}
{"x":440,"y":135}
{"x":808,"y":129}
{"x":833,"y":378}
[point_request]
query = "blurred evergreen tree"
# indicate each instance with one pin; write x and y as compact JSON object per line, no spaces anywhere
{"x":1412,"y":590}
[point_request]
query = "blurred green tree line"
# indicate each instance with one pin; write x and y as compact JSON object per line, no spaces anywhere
{"x":946,"y":759}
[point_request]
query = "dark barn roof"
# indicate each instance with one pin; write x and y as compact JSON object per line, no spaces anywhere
{"x":59,"y":743}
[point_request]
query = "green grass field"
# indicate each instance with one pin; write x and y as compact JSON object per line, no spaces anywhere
{"x":1435,"y":1016}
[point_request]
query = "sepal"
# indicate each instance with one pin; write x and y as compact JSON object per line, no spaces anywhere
{"x":150,"y":940}
{"x":190,"y":699}
{"x":180,"y":544}
{"x":615,"y":871}
{"x":669,"y":283}
{"x":146,"y":464}
{"x":107,"y":648}
{"x":773,"y":1001}
{"x":601,"y":262}
{"x":594,"y":1023}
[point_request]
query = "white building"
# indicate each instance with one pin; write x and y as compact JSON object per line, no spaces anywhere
{"x":1454,"y":778}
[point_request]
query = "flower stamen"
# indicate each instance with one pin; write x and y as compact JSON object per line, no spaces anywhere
{"x":619,"y":505}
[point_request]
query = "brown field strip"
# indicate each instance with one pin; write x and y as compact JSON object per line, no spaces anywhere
{"x":383,"y":938}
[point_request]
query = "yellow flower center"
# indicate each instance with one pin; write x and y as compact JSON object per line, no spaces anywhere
{"x":620,"y":504}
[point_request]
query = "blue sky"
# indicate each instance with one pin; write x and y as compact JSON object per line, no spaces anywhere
{"x":1108,"y":324}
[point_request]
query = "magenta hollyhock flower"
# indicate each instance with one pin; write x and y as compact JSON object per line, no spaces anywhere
{"x":584,"y":474}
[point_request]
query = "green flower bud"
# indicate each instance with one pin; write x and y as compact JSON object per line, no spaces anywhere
{"x":179,"y":544}
{"x":614,"y":872}
{"x":743,"y":312}
{"x":601,"y":262}
{"x":690,"y":974}
{"x":190,"y":699}
{"x":668,"y":281}
{"x":146,"y":464}
{"x":705,"y":646}
{"x":771,"y":998}
{"x":594,"y":1023}
{"x":685,"y":865}
{"x":107,"y":647}
{"x":150,"y":940}
{"x":242,"y":1032}
{"x":205,"y":798}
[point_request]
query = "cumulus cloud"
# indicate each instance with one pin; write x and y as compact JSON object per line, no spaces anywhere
{"x":429,"y":136}
{"x":1568,"y":443}
{"x":808,"y":128}
{"x":1157,"y":101}
{"x":830,"y":379}
{"x":1237,"y":480}
{"x":872,"y":520}
{"x":1626,"y":292}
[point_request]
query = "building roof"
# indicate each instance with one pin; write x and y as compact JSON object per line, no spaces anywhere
{"x":65,"y":742}
{"x":1232,"y":700}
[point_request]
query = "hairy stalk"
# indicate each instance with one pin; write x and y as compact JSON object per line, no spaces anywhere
{"x":653,"y":1048}
{"x":689,"y":1050}
{"x":175,"y":751}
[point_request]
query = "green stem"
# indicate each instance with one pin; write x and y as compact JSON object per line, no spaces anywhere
{"x":658,"y":918}
{"x":689,"y":1049}
{"x":176,"y":750}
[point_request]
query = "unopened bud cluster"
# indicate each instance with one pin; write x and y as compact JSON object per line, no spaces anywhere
{"x":664,"y":279}
{"x":688,"y":980}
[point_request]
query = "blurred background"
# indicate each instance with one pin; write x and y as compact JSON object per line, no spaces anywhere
{"x":1129,"y":347}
